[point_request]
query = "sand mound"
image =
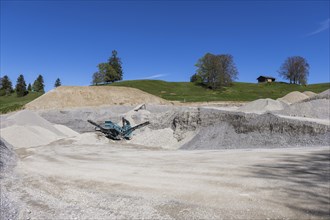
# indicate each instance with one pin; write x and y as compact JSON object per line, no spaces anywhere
{"x":309,"y":93}
{"x":27,"y":129}
{"x":262,"y":106}
{"x":84,"y":96}
{"x":293,"y":97}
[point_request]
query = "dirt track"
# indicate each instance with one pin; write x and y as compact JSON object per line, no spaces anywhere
{"x":68,"y":181}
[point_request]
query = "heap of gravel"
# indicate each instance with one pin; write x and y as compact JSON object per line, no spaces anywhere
{"x":222,"y":130}
{"x":202,"y":128}
{"x":33,"y":130}
{"x":309,"y":93}
{"x":315,"y":108}
{"x":8,"y":208}
{"x":25,"y":129}
{"x":159,"y":133}
{"x":293,"y":97}
{"x":262,"y":106}
{"x":323,"y":95}
{"x":7,"y":157}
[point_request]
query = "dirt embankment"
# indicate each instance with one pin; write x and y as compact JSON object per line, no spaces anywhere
{"x":84,"y":96}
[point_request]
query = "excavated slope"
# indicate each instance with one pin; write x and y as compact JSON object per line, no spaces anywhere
{"x":82,"y":96}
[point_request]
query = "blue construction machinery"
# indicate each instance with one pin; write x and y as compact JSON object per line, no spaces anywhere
{"x":115,"y":131}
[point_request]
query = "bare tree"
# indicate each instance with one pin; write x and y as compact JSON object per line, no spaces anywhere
{"x":295,"y":69}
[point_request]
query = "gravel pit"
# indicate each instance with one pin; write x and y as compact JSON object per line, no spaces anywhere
{"x":190,"y":162}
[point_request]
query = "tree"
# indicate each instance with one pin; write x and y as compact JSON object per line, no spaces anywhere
{"x":38,"y":85}
{"x":29,"y":88}
{"x":216,"y":71}
{"x":295,"y":69}
{"x":109,"y":73}
{"x":6,"y":85}
{"x":98,"y":78}
{"x":57,"y":82}
{"x":195,"y":78}
{"x":115,"y":63}
{"x":21,"y":86}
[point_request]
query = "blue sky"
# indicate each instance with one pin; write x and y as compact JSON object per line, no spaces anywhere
{"x":160,"y":39}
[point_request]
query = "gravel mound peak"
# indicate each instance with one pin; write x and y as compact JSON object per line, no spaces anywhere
{"x":293,"y":97}
{"x":262,"y":106}
{"x":309,"y":93}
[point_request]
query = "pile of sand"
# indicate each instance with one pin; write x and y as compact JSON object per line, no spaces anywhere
{"x":293,"y":97}
{"x":27,"y":129}
{"x":84,"y":96}
{"x":262,"y":106}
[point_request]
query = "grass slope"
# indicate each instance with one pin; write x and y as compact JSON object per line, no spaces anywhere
{"x":13,"y":103}
{"x":189,"y":92}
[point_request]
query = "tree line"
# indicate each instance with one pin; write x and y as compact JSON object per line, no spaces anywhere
{"x":216,"y":71}
{"x":21,"y":89}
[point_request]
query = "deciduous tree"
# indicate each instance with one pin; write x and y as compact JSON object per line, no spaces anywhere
{"x":295,"y":69}
{"x":216,"y":71}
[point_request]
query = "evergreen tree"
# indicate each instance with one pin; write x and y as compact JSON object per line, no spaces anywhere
{"x":38,"y":85}
{"x":29,"y":88}
{"x":6,"y":85}
{"x":115,"y":63}
{"x":57,"y":82}
{"x":21,"y":86}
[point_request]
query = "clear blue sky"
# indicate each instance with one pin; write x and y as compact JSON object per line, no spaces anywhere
{"x":160,"y":39}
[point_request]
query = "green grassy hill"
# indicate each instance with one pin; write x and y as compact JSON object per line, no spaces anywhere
{"x":189,"y":92}
{"x":12,"y":102}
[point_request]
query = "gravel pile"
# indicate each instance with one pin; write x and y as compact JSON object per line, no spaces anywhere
{"x":323,"y":95}
{"x":27,"y":129}
{"x":293,"y":97}
{"x":203,"y":128}
{"x":8,"y":159}
{"x":262,"y":106}
{"x":309,"y":93}
{"x":222,"y":130}
{"x":317,"y":108}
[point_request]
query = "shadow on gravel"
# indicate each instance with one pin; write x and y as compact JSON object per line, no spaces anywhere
{"x":304,"y":181}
